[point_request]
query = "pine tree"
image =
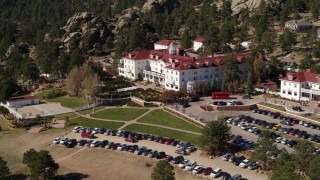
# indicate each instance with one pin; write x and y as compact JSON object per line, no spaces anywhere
{"x":163,"y":171}
{"x":186,"y":39}
{"x":4,"y":170}
{"x":249,"y":85}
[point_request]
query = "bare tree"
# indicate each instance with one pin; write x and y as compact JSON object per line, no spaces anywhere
{"x":73,"y":82}
{"x":91,"y":87}
{"x":199,"y":87}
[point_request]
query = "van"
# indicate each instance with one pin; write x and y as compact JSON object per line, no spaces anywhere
{"x":236,"y":177}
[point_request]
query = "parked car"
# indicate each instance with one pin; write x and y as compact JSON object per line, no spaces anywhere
{"x":56,"y":140}
{"x":95,"y":144}
{"x":177,"y":159}
{"x":152,"y":154}
{"x":115,"y":146}
{"x":168,"y":158}
{"x":190,"y":149}
{"x":76,"y":129}
{"x":227,"y":156}
{"x":245,"y":163}
{"x":181,"y":152}
{"x":103,"y":143}
{"x":184,"y":163}
{"x":238,"y":160}
{"x":246,"y":97}
{"x":146,"y":152}
{"x":109,"y":145}
{"x":207,"y":171}
{"x":63,"y":140}
{"x":139,"y":150}
{"x":276,"y":127}
{"x":197,"y":169}
{"x":71,"y":143}
{"x":82,"y":142}
{"x":174,"y":143}
{"x":121,"y":146}
{"x":216,"y":173}
{"x":130,"y":139}
{"x":88,"y":143}
{"x":160,"y":155}
{"x":253,"y":166}
{"x":236,"y":177}
{"x":190,"y":166}
{"x":87,"y":135}
{"x":291,"y":143}
{"x":225,"y":176}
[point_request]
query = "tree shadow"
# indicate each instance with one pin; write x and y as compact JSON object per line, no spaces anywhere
{"x":71,"y":176}
{"x":14,"y":177}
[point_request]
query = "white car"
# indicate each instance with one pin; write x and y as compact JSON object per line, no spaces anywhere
{"x":121,"y":146}
{"x":231,"y":103}
{"x":94,"y":143}
{"x":307,"y":124}
{"x":245,"y":163}
{"x":252,"y":129}
{"x":284,"y":141}
{"x":119,"y":133}
{"x":197,"y":169}
{"x":76,"y":129}
{"x":63,"y":140}
{"x":226,"y":156}
{"x":95,"y":131}
{"x":183,"y":163}
{"x":230,"y":120}
{"x":279,"y":139}
{"x":216,"y":173}
{"x":242,"y":124}
{"x":190,"y":166}
{"x":56,"y":140}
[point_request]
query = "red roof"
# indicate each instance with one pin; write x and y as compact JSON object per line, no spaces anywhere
{"x":164,"y":42}
{"x":199,"y":39}
{"x":222,"y":92}
{"x":308,"y":75}
{"x":22,"y":99}
{"x":181,"y":62}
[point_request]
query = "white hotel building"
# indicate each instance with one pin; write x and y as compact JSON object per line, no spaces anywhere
{"x":301,"y":85}
{"x":169,"y":66}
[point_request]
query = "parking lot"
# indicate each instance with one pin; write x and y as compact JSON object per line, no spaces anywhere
{"x":170,"y":150}
{"x":194,"y":110}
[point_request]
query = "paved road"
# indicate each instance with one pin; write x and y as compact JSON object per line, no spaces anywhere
{"x":214,"y":163}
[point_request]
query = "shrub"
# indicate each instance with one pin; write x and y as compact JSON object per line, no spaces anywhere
{"x":4,"y":110}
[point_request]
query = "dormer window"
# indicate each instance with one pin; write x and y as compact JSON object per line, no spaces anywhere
{"x":189,"y":66}
{"x":290,"y":77}
{"x":130,"y":56}
{"x":170,"y":59}
{"x":221,"y":62}
{"x":318,"y":79}
{"x":157,"y":57}
{"x":243,"y":60}
{"x":151,"y":56}
{"x":210,"y":64}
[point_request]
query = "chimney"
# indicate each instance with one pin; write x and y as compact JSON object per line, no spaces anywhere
{"x":193,"y":59}
{"x":173,"y":65}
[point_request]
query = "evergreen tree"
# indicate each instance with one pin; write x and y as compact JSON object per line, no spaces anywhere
{"x":264,"y":149}
{"x":41,"y":164}
{"x":307,"y":62}
{"x":163,"y":171}
{"x":249,"y":85}
{"x":186,"y":39}
{"x":304,"y":153}
{"x":4,"y":170}
{"x":313,"y":168}
{"x":284,"y":168}
{"x":215,"y":137}
{"x":286,"y":40}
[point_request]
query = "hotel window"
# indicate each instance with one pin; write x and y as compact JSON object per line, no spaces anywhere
{"x":284,"y":83}
{"x":294,"y":85}
{"x":284,"y":91}
{"x":182,"y":79}
{"x":290,"y":92}
{"x":295,"y":93}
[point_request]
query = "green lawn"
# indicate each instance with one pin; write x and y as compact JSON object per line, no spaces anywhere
{"x":64,"y":116}
{"x":163,"y":118}
{"x":280,"y":108}
{"x":194,"y":139}
{"x":88,"y":111}
{"x":313,"y":117}
{"x":70,"y":102}
{"x":123,"y":114}
{"x":81,"y":121}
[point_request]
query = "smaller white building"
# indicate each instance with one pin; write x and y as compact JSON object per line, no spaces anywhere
{"x":301,"y":85}
{"x":198,"y":43}
{"x":164,"y":44}
{"x":23,"y":101}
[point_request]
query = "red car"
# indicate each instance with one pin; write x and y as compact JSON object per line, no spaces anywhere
{"x":293,"y":132}
{"x":207,"y":171}
{"x":87,"y":135}
{"x":130,"y":139}
{"x":294,"y":121}
{"x":168,"y":158}
{"x":115,"y":146}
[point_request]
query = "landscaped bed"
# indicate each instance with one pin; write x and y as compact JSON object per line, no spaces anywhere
{"x":123,"y":114}
{"x":81,"y":121}
{"x":280,"y":108}
{"x":163,"y":118}
{"x":192,"y":138}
